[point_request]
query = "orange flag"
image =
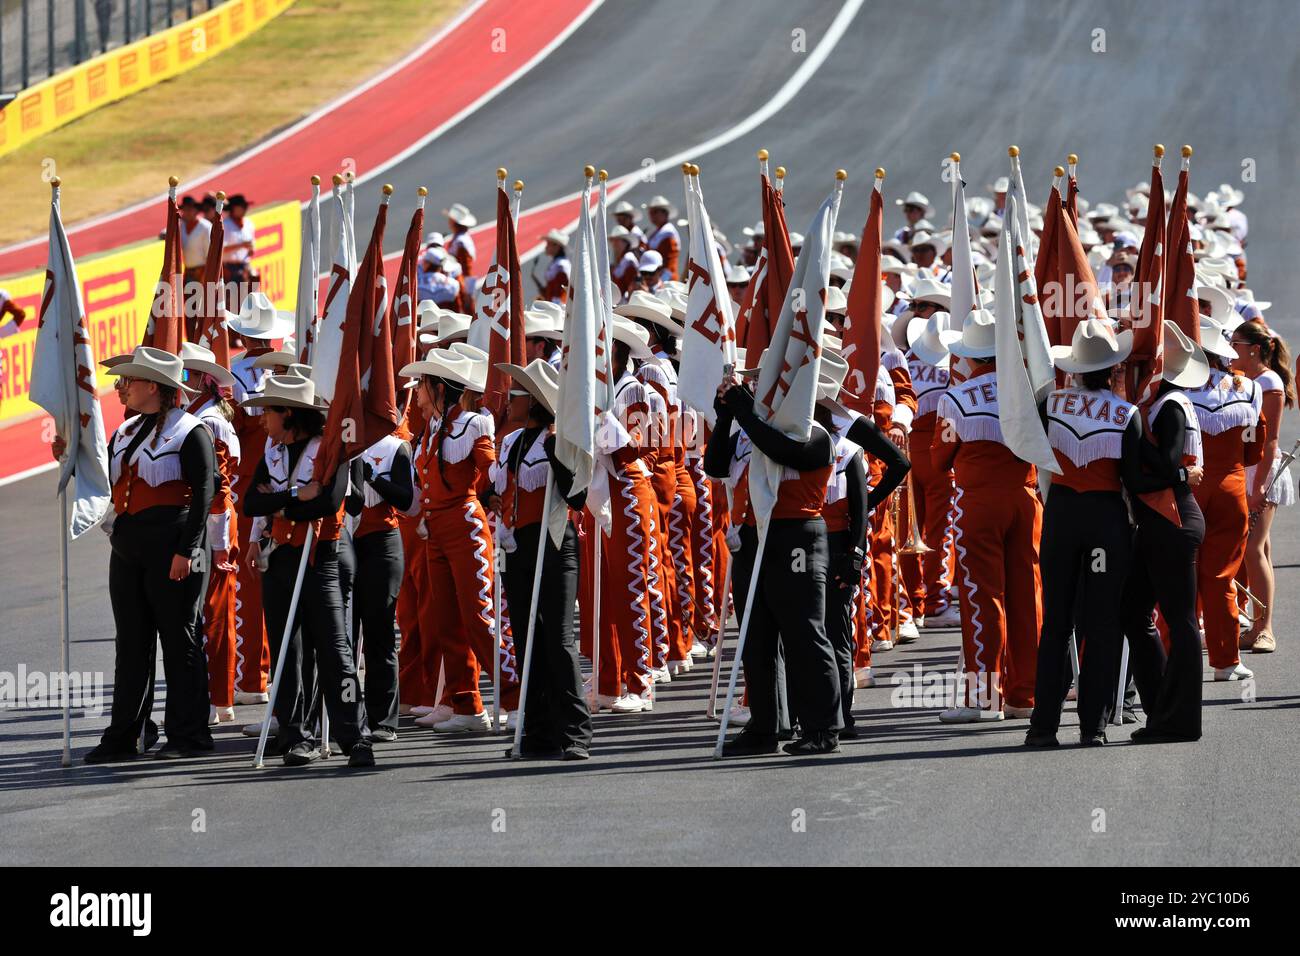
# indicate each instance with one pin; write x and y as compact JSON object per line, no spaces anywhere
{"x":1147,"y":361}
{"x":402,"y":318}
{"x":765,"y":293}
{"x":866,"y":299}
{"x":1045,"y":270}
{"x":501,"y":300}
{"x":1180,"y":306}
{"x":211,"y":320}
{"x":166,"y":327}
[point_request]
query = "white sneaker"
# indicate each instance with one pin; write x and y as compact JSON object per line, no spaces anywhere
{"x":699,"y":650}
{"x":738,"y":716}
{"x":950,"y":617}
{"x":661,"y":675}
{"x":249,"y":697}
{"x":908,"y":632}
{"x":255,"y":730}
{"x":512,"y":721}
{"x":1235,"y":672}
{"x":434,"y":716}
{"x":605,"y":702}
{"x":862,"y":677}
{"x":1018,"y":712}
{"x":419,"y":710}
{"x":220,"y":715}
{"x":968,"y":715}
{"x":680,"y":667}
{"x":464,"y":724}
{"x":628,"y":704}
{"x":881,"y":645}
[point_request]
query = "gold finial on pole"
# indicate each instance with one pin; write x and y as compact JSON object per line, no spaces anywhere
{"x":1158,"y":150}
{"x":589,"y":171}
{"x":955,"y":157}
{"x":338,"y":179}
{"x":422,"y":191}
{"x":762,"y":155}
{"x":1013,"y":151}
{"x":841,"y":174}
{"x":315,"y":180}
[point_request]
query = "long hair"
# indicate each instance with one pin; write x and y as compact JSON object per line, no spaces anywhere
{"x":1273,"y":352}
{"x":304,"y":421}
{"x":209,"y":387}
{"x":451,"y":395}
{"x":168,"y":398}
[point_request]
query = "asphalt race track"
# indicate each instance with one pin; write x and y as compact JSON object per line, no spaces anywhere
{"x":904,"y":86}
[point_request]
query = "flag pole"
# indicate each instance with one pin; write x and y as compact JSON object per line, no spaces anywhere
{"x":279,"y":663}
{"x":740,"y":643}
{"x":544,"y":532}
{"x":711,"y":711}
{"x":498,"y":568}
{"x":66,"y":639}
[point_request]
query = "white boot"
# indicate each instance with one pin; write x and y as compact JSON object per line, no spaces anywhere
{"x":628,"y":704}
{"x":433,"y":716}
{"x":249,"y":697}
{"x":862,"y":677}
{"x":1235,"y":672}
{"x":908,"y":632}
{"x":968,"y":715}
{"x":464,"y":724}
{"x":699,"y":650}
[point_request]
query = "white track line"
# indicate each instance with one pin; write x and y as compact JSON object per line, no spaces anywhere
{"x":30,"y":472}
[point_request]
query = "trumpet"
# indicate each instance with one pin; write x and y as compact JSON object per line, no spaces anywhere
{"x":915,"y":544}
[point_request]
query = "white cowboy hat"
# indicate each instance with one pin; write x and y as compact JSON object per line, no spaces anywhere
{"x":650,"y":308}
{"x":1248,"y":296}
{"x":1222,"y":304}
{"x":1229,"y":197}
{"x":939,"y":243}
{"x":736,"y":273}
{"x":650,"y":261}
{"x":453,"y":325}
{"x":115,"y":360}
{"x":676,"y":302}
{"x":914,"y":198}
{"x":660,"y":202}
{"x":1095,"y":346}
{"x":460,"y":215}
{"x":478,"y":375}
{"x":796,"y":240}
{"x":557,"y":236}
{"x":453,"y":366}
{"x":1001,"y":184}
{"x":298,"y":369}
{"x":623,"y":207}
{"x":830,"y":380}
{"x":435,"y":238}
{"x":620,"y":232}
{"x":978,"y":336}
{"x":836,"y":300}
{"x":199,"y":359}
{"x":259,"y":319}
{"x":539,"y":378}
{"x":1184,"y":360}
{"x":289,"y":391}
{"x":541,"y":325}
{"x":842,"y":270}
{"x":1103,"y":211}
{"x":845,"y":239}
{"x":890,"y":263}
{"x":633,"y":336}
{"x":1214,"y":339}
{"x":153,"y":365}
{"x":757,"y":230}
{"x":426,"y":316}
{"x":930,"y":340}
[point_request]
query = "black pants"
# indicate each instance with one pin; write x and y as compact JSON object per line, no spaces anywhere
{"x":790,"y":605}
{"x":555,"y":713}
{"x":1086,"y":545}
{"x":379,"y":566}
{"x":742,"y":569}
{"x":839,"y":625}
{"x":1164,"y":573}
{"x":318,"y":638}
{"x":148,"y":608}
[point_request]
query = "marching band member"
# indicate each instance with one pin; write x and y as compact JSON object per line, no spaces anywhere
{"x":459,"y":243}
{"x":1086,"y":539}
{"x":285,"y":490}
{"x":205,"y":376}
{"x":627,"y":216}
{"x":452,"y":463}
{"x":258,"y":324}
{"x":555,"y":281}
{"x":163,"y":474}
{"x":556,"y":717}
{"x":663,"y":239}
{"x":623,"y":260}
{"x":1228,"y":408}
{"x":924,"y":340}
{"x":1170,"y":529}
{"x":382,"y":491}
{"x":789,"y":604}
{"x":997,"y":527}
{"x":1262,"y":354}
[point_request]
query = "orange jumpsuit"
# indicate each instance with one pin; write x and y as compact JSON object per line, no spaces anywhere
{"x":252,"y":652}
{"x":666,"y":617}
{"x":223,"y":535}
{"x":998,"y":523}
{"x":1228,"y":408}
{"x":926,"y":576}
{"x":456,"y":607}
{"x":668,"y":244}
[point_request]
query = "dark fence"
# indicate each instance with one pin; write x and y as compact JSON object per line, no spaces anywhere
{"x":39,"y":38}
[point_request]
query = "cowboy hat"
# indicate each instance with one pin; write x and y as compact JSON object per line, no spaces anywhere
{"x":1184,"y":361}
{"x":283,"y":356}
{"x":916,"y":199}
{"x":435,"y":238}
{"x":890,"y":263}
{"x":845,"y":239}
{"x":259,"y":319}
{"x":298,"y":369}
{"x":1095,"y":346}
{"x":620,"y":232}
{"x":633,"y":336}
{"x":199,"y":359}
{"x":453,"y":325}
{"x":541,"y":325}
{"x":1222,"y":304}
{"x":557,"y":236}
{"x":450,"y":365}
{"x":836,"y":300}
{"x":978,"y":336}
{"x":153,"y":365}
{"x":287,"y":391}
{"x":539,"y":378}
{"x":114,"y":360}
{"x":650,"y":308}
{"x":676,"y":302}
{"x":1248,"y":296}
{"x":660,"y":202}
{"x":478,"y":374}
{"x":460,"y":215}
{"x":830,"y":380}
{"x":736,"y":273}
{"x":930,"y":340}
{"x":426,"y":316}
{"x":553,"y":310}
{"x":623,"y":207}
{"x":1001,"y":184}
{"x":1214,"y":339}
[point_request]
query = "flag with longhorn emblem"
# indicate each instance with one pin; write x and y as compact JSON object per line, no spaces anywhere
{"x":500,"y":307}
{"x":709,"y":343}
{"x":166,"y":326}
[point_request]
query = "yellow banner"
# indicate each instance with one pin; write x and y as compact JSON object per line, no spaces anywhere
{"x":75,"y":92}
{"x":117,"y":290}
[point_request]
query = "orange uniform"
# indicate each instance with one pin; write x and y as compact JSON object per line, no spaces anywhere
{"x":252,"y":652}
{"x":926,"y":576}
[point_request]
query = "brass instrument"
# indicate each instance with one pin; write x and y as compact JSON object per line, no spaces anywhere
{"x":915,"y":543}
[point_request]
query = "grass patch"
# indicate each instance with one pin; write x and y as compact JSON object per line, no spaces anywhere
{"x":313,"y":52}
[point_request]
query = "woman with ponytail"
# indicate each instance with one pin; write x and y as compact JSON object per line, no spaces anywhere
{"x":1263,"y":355}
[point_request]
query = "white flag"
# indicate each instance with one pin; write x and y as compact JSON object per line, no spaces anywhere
{"x":1024,"y":361}
{"x":598,"y":496}
{"x":787,"y":385}
{"x":327,"y":350}
{"x":63,"y":382}
{"x":963,"y":272}
{"x":709,"y":345}
{"x":306,"y":317}
{"x":575,"y":412}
